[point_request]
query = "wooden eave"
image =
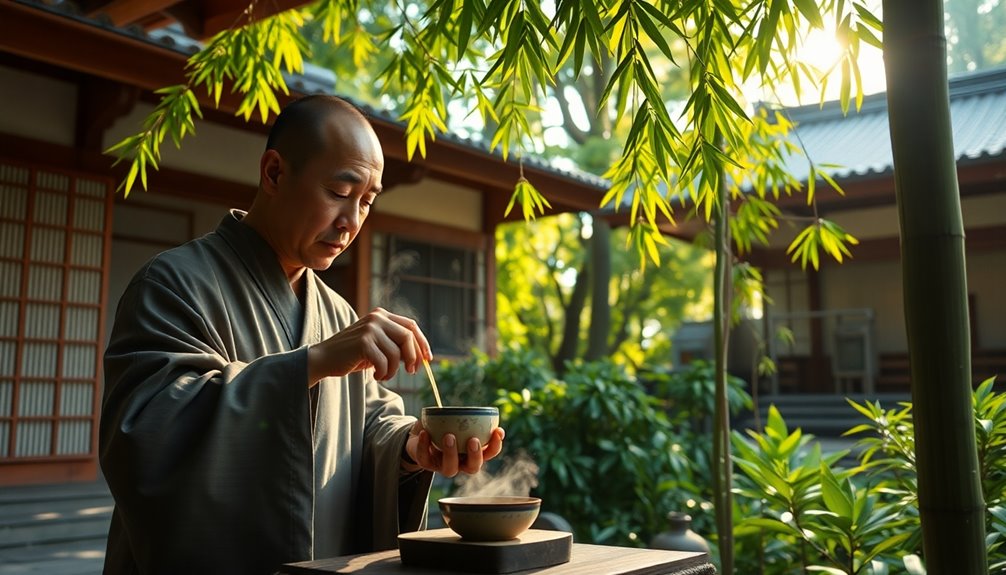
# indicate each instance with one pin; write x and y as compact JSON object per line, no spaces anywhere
{"x":200,"y":18}
{"x":80,"y":45}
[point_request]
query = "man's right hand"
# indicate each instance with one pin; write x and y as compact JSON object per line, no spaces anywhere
{"x":380,"y":340}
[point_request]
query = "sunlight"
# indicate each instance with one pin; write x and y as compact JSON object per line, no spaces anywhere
{"x":822,"y":51}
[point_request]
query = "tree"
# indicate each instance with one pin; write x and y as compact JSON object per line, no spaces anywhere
{"x":540,"y":272}
{"x":975,"y":34}
{"x":935,"y":287}
{"x":501,"y":54}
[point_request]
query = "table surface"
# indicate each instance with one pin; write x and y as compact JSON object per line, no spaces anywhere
{"x":585,"y":559}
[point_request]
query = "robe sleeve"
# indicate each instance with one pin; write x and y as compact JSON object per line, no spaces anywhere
{"x":205,"y":455}
{"x":397,"y":503}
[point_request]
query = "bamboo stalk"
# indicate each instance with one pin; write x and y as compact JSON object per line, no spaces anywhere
{"x":722,"y":472}
{"x":935,"y":288}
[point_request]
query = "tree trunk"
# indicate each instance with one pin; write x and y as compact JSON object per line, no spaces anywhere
{"x":571,"y":321}
{"x":600,"y":278}
{"x":722,"y":472}
{"x":935,"y":288}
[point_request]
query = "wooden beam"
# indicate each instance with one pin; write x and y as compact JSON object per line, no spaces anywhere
{"x":166,"y":181}
{"x":220,"y":15}
{"x":39,"y":34}
{"x":398,"y":173}
{"x":428,"y":232}
{"x":974,"y":178}
{"x":988,"y":238}
{"x":126,"y":12}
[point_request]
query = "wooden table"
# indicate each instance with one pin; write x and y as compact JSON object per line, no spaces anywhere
{"x":586,"y":559}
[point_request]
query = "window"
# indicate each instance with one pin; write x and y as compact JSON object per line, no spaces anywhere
{"x":53,"y":273}
{"x":441,"y":287}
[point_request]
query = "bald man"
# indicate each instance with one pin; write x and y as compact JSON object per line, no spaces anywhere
{"x":243,"y":424}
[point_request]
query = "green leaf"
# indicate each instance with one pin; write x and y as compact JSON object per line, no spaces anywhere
{"x":811,"y":12}
{"x":653,"y":32}
{"x":775,"y":424}
{"x":868,"y":17}
{"x":835,"y":498}
{"x":131,"y":177}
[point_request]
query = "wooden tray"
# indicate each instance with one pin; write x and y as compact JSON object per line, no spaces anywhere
{"x":443,"y":549}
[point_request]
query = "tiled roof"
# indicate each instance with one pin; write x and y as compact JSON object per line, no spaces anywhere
{"x":860,"y":143}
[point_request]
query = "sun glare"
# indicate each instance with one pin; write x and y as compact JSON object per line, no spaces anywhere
{"x":823,"y":52}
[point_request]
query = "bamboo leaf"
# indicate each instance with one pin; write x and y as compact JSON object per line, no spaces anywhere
{"x":811,"y":12}
{"x":654,"y":33}
{"x":868,"y":17}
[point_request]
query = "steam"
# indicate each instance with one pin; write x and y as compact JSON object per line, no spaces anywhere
{"x":384,"y":292}
{"x":517,"y":476}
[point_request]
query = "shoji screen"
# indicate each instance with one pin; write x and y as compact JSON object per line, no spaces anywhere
{"x":54,"y":238}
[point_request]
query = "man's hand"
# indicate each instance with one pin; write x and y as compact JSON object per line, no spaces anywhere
{"x":380,"y":340}
{"x":454,"y":458}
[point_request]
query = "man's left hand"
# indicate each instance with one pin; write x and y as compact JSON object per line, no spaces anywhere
{"x":453,"y":458}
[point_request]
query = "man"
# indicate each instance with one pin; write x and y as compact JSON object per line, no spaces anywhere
{"x":243,"y":426}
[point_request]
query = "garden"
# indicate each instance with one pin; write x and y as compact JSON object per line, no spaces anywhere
{"x":616,"y":453}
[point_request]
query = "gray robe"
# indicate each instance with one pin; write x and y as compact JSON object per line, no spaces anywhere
{"x":206,"y":436}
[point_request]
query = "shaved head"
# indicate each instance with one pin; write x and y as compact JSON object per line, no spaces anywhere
{"x":318,"y":176}
{"x":299,"y":131}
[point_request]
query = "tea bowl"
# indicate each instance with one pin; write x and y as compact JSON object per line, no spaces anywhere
{"x":463,"y":422}
{"x":498,"y":518}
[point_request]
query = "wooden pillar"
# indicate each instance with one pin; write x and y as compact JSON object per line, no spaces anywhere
{"x":819,"y":376}
{"x":362,"y":270}
{"x":99,"y":103}
{"x":493,"y":205}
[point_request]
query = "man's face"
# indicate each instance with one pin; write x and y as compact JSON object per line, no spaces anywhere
{"x":322,"y":206}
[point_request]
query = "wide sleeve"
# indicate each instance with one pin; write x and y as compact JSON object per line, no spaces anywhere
{"x":395,"y":503}
{"x":206,"y":456}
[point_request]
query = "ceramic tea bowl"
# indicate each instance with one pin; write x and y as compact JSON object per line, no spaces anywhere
{"x":463,"y":422}
{"x":499,"y":518}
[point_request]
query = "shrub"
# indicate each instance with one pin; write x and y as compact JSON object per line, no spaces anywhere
{"x":609,"y":459}
{"x":819,"y":516}
{"x":829,"y":522}
{"x":477,"y":379}
{"x":889,"y":452}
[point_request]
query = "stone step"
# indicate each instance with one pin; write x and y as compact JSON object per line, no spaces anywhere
{"x":59,"y":492}
{"x":42,"y":509}
{"x":19,"y":532}
{"x":805,"y":399}
{"x":73,"y":558}
{"x":40,"y":515}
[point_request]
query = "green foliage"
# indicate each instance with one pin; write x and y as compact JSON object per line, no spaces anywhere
{"x":172,"y":116}
{"x":889,"y":449}
{"x":597,"y":427}
{"x":830,"y":522}
{"x":477,"y":379}
{"x":860,"y":520}
{"x":251,"y":59}
{"x":610,"y":461}
{"x":539,"y":264}
{"x":974,"y":38}
{"x":825,"y":235}
{"x":689,"y":392}
{"x":502,"y":59}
